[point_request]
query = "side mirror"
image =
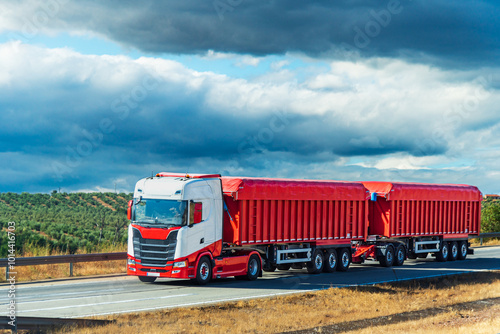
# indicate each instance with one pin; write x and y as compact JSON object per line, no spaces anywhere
{"x":195,"y":213}
{"x":129,"y":210}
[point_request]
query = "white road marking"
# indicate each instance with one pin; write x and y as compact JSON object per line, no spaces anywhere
{"x":103,"y":303}
{"x":59,"y":294}
{"x":38,"y":285}
{"x":198,"y":303}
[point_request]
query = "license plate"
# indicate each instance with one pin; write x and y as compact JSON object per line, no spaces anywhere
{"x":153,"y":274}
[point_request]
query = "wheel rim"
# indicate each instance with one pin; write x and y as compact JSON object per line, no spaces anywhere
{"x":454,"y":250}
{"x":401,"y":255}
{"x":345,"y":259}
{"x":252,"y":267}
{"x":318,"y":261}
{"x":463,"y":250}
{"x":204,"y":271}
{"x":332,"y":260}
{"x":445,"y":251}
{"x":388,"y":256}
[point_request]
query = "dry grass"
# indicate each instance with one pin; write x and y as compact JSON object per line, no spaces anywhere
{"x":332,"y":306}
{"x":50,"y":271}
{"x":486,"y":242}
{"x":484,"y":321}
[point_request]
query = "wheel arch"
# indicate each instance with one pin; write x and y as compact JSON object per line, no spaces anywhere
{"x":210,"y":257}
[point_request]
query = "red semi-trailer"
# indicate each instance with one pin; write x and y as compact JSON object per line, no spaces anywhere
{"x":296,"y":222}
{"x":417,"y":219}
{"x":207,"y":226}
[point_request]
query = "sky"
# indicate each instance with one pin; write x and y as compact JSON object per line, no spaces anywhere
{"x":95,"y":95}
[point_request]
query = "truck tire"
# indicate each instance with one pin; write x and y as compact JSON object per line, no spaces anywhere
{"x":453,"y":254}
{"x":462,"y":250}
{"x":442,"y":255}
{"x":283,"y":267}
{"x":147,"y":279}
{"x":330,"y":261}
{"x":253,"y":268}
{"x":387,"y":260}
{"x":315,"y":266}
{"x":343,"y":259}
{"x":400,"y":256}
{"x":269,"y":268}
{"x":204,"y":271}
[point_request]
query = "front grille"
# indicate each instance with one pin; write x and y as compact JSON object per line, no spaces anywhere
{"x":154,"y":270}
{"x":154,"y":252}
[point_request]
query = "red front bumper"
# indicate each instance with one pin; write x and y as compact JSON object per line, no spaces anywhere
{"x":182,"y":269}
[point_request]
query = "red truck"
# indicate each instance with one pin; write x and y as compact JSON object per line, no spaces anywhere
{"x":202,"y":227}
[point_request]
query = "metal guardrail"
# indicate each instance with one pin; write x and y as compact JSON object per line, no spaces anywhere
{"x":36,"y":324}
{"x":486,"y":235}
{"x":481,"y":236}
{"x":72,"y":258}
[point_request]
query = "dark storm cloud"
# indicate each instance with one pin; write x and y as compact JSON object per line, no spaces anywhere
{"x":461,"y":32}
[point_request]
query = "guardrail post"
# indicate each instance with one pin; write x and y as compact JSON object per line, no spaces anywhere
{"x":481,"y":241}
{"x":7,"y":272}
{"x":71,"y":269}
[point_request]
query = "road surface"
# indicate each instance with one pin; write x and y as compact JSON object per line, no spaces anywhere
{"x":84,"y":297}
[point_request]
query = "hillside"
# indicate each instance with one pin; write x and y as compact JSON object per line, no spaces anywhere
{"x":64,"y":222}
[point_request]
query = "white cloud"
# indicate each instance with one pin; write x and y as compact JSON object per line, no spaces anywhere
{"x":381,"y":110}
{"x":248,"y":61}
{"x":277,"y":65}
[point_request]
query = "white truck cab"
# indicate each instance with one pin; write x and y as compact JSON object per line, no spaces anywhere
{"x":174,"y":219}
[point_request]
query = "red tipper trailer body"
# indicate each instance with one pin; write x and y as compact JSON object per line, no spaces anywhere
{"x":269,"y":211}
{"x":412,"y":209}
{"x":416,"y":219}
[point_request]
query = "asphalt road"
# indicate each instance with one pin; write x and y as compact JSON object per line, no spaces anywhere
{"x":84,"y":297}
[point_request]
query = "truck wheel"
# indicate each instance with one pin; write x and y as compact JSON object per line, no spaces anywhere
{"x":147,"y":279}
{"x":253,"y":268}
{"x":283,"y":267}
{"x":204,"y":271}
{"x":330,"y":261}
{"x":453,"y":254}
{"x":462,"y":250}
{"x":315,"y":266}
{"x":269,"y":268}
{"x":387,"y":260}
{"x":400,"y":256}
{"x":442,"y":255}
{"x":343,"y":260}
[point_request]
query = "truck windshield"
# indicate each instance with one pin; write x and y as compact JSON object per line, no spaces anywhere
{"x":166,"y":213}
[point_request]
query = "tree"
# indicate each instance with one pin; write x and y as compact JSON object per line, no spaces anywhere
{"x":490,"y":216}
{"x":100,"y":225}
{"x":119,"y":225}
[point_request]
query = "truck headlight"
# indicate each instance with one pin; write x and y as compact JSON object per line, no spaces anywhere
{"x":180,"y":264}
{"x":131,"y":262}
